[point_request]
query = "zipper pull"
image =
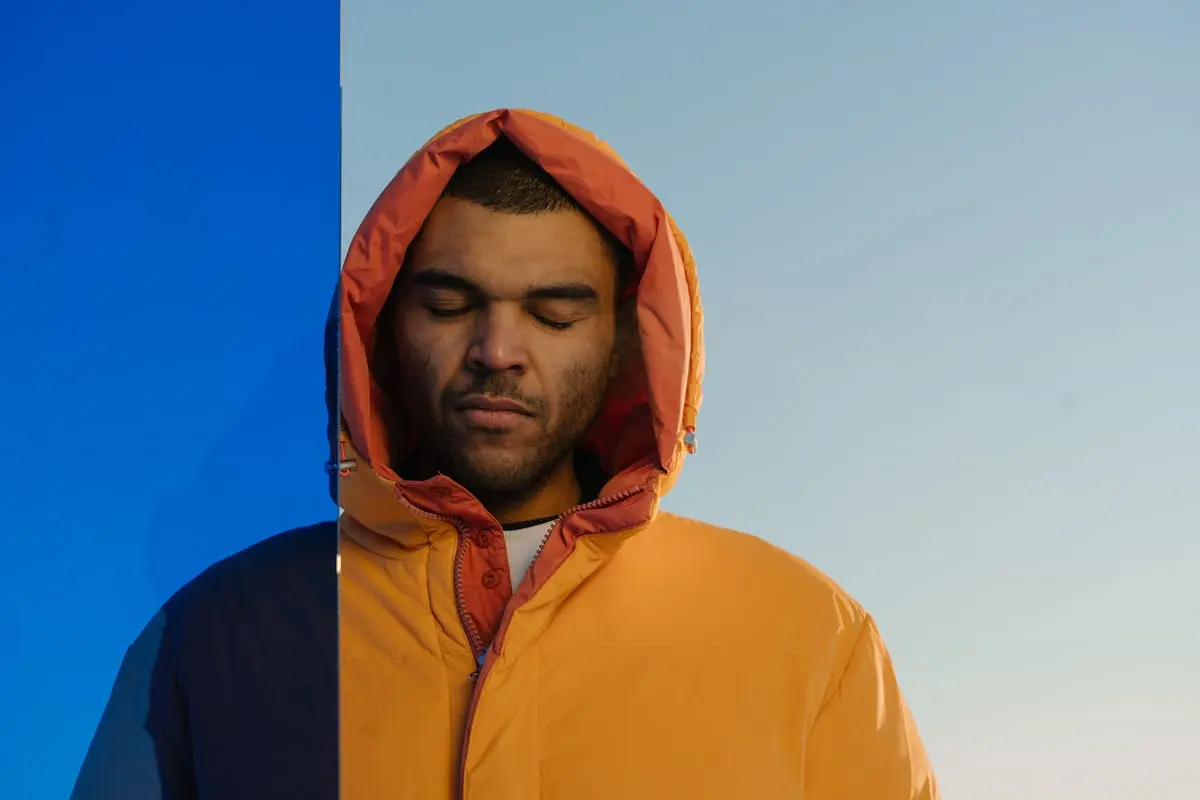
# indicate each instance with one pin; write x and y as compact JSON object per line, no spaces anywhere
{"x":482,"y":657}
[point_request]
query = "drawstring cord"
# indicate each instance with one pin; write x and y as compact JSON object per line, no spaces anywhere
{"x":689,"y":438}
{"x":344,"y":466}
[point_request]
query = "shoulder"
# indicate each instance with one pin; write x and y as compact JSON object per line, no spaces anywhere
{"x":288,"y":560}
{"x":747,"y":554}
{"x":248,"y":660}
{"x":765,"y":578}
{"x":288,"y":576}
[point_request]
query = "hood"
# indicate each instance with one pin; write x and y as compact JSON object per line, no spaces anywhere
{"x":647,"y":424}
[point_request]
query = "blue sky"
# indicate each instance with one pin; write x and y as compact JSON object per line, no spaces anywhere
{"x":950,"y":259}
{"x":169,"y":219}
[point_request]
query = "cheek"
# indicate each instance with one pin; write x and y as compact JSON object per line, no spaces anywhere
{"x":428,"y":358}
{"x":581,"y":373}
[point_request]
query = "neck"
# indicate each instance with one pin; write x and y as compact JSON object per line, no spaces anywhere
{"x":560,"y":492}
{"x":563,"y":489}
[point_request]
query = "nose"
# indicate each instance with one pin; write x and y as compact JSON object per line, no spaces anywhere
{"x":498,"y":341}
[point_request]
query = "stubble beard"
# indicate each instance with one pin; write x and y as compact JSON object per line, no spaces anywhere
{"x":504,"y":479}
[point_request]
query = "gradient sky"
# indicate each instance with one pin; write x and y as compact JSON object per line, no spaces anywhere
{"x":950,"y":258}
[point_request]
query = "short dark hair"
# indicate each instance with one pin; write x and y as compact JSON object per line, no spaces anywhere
{"x":502,"y":178}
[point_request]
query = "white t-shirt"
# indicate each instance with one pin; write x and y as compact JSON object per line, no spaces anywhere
{"x":523,"y":541}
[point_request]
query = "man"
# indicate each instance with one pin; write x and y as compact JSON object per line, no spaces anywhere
{"x":520,"y":362}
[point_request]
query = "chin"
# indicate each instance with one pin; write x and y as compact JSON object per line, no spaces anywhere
{"x":496,"y":473}
{"x":494,"y":465}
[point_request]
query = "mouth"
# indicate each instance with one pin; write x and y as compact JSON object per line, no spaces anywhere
{"x":492,"y":413}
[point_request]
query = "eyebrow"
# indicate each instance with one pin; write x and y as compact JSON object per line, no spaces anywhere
{"x":442,"y":279}
{"x":563,"y":291}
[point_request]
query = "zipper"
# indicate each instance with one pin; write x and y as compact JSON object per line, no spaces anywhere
{"x":460,"y":598}
{"x":482,"y":657}
{"x":483,"y":664}
{"x":474,"y":638}
{"x":608,"y":500}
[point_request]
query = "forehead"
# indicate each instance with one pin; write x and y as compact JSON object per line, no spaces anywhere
{"x":503,"y":252}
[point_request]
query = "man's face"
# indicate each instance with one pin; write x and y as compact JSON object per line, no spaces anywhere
{"x":505,"y":331}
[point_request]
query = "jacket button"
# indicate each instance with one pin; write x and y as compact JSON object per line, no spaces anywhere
{"x":491,"y":579}
{"x":483,"y":540}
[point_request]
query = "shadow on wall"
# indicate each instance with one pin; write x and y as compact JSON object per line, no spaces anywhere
{"x":264,"y":475}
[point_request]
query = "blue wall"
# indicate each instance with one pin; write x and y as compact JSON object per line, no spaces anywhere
{"x":169,"y":229}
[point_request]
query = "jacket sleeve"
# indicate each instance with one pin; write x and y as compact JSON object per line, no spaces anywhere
{"x":133,"y":755}
{"x":864,"y":744}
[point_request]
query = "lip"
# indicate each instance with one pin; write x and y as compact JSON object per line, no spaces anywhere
{"x":492,"y":412}
{"x":483,"y":403}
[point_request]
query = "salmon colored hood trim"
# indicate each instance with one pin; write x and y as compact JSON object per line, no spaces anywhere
{"x":667,"y":392}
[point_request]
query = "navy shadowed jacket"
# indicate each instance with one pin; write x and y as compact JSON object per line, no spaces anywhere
{"x":231,"y":691}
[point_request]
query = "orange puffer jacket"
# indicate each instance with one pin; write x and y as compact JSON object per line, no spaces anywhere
{"x":644,"y":655}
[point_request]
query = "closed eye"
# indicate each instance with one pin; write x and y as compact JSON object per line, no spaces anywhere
{"x":558,"y":313}
{"x":447,"y":313}
{"x":551,"y":323}
{"x":445,"y":303}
